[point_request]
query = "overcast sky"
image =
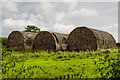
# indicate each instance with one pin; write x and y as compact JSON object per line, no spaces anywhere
{"x":60,"y":17}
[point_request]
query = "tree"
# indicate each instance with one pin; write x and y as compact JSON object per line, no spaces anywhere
{"x":32,"y":28}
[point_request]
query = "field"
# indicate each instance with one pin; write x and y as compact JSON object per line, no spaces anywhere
{"x":61,"y":65}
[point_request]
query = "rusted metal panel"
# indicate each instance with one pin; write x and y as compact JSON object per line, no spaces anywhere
{"x":83,"y":38}
{"x":20,"y":40}
{"x":50,"y":41}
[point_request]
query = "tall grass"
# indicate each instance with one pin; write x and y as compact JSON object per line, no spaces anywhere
{"x":45,"y":64}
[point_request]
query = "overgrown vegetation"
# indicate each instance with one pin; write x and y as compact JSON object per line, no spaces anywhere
{"x":3,"y":41}
{"x":118,"y":44}
{"x":61,"y":65}
{"x":32,"y":28}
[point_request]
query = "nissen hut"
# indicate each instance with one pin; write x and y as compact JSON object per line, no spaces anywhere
{"x":84,"y":38}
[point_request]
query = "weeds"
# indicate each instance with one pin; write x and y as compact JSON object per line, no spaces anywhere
{"x":61,"y":65}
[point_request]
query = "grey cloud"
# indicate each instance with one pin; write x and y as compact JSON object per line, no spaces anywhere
{"x":59,"y":0}
{"x":62,"y":17}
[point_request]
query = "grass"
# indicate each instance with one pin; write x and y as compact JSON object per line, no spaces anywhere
{"x":60,"y":65}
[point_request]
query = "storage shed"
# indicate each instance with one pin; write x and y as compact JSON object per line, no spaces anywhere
{"x":83,"y":38}
{"x":20,"y":40}
{"x":50,"y":41}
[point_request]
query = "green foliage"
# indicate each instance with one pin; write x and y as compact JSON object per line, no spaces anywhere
{"x":32,"y":28}
{"x":106,"y":43}
{"x":106,"y":51}
{"x":118,"y":44}
{"x":61,"y":65}
{"x":3,"y":41}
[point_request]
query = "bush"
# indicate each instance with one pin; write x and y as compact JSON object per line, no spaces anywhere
{"x":3,"y":40}
{"x":59,"y":57}
{"x":106,"y":51}
{"x":118,"y":44}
